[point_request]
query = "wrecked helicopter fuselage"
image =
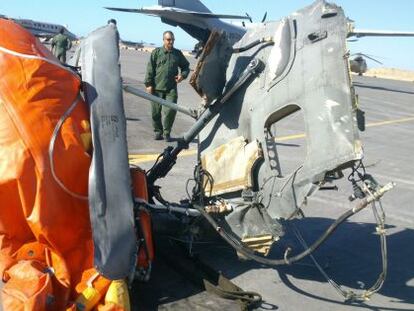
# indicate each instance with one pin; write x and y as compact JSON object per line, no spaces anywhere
{"x":276,"y":70}
{"x":305,"y":69}
{"x":298,"y":64}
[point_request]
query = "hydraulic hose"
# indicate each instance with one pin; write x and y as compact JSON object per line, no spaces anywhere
{"x":268,"y":40}
{"x":287,"y":259}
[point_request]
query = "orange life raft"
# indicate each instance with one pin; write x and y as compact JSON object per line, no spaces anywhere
{"x":46,"y":247}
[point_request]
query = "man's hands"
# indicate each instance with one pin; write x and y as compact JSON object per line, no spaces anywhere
{"x":178,"y":78}
{"x":150,"y":89}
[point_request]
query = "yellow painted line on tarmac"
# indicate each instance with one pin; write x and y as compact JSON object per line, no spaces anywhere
{"x":290,"y":137}
{"x":141,"y":158}
{"x":390,"y":122}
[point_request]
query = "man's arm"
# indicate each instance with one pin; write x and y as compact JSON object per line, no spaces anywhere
{"x":53,"y":45}
{"x":184,"y":66}
{"x":150,"y":74}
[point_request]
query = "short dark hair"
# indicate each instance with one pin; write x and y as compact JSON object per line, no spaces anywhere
{"x":61,"y":30}
{"x":168,"y":32}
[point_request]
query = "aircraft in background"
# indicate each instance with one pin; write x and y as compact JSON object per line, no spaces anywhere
{"x":42,"y":30}
{"x":126,"y":44}
{"x":359,"y":64}
{"x":193,"y":17}
{"x":198,"y":21}
{"x":359,"y":33}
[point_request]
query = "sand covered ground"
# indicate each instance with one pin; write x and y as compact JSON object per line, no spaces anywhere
{"x":391,"y":73}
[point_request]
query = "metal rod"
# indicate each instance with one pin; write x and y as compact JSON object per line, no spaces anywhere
{"x":140,"y":93}
{"x":170,"y":208}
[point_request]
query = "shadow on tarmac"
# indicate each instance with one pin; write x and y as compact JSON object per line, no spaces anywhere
{"x":133,"y":119}
{"x":351,"y":257}
{"x":363,"y":85}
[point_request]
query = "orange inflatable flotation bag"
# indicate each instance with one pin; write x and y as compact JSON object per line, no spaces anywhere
{"x":45,"y":234}
{"x":46,"y":246}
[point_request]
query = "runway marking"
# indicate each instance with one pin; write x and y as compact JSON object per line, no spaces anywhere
{"x":141,"y":158}
{"x":390,"y":122}
{"x":290,"y":137}
{"x":396,"y":179}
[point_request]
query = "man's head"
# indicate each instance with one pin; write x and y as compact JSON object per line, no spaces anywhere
{"x":168,"y":39}
{"x":61,"y":30}
{"x":112,"y":21}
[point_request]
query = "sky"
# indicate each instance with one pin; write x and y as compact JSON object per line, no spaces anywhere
{"x":82,"y":17}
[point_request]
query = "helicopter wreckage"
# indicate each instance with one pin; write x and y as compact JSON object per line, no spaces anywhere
{"x":276,"y":70}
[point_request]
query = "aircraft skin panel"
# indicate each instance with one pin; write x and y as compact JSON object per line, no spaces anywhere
{"x":304,"y":70}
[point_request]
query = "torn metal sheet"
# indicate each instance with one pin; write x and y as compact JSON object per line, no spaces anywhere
{"x":231,"y":165}
{"x":305,"y":70}
{"x":110,"y":197}
{"x":209,"y":76}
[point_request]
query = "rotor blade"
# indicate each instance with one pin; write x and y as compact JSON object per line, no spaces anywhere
{"x":250,"y":18}
{"x":373,"y":59}
{"x":374,"y":56}
{"x":264,"y":17}
{"x":367,"y":56}
{"x":379,"y":33}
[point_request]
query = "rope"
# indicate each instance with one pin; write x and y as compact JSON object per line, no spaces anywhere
{"x":52,"y":149}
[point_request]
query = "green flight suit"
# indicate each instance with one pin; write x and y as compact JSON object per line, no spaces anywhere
{"x":60,"y":44}
{"x":161,"y":72}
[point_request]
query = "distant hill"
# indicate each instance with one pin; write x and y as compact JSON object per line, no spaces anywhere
{"x":391,"y":73}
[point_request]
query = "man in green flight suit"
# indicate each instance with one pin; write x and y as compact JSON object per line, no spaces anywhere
{"x":161,"y":80}
{"x":60,"y":44}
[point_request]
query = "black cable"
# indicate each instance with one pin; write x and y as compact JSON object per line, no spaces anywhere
{"x":286,"y":260}
{"x":156,"y":162}
{"x":186,"y":187}
{"x":350,"y":295}
{"x":51,"y":150}
{"x":355,"y":170}
{"x":267,"y":41}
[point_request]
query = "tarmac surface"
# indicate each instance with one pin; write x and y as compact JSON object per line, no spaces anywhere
{"x":351,"y":256}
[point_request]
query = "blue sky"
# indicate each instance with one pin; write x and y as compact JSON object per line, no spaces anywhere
{"x":82,"y":17}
